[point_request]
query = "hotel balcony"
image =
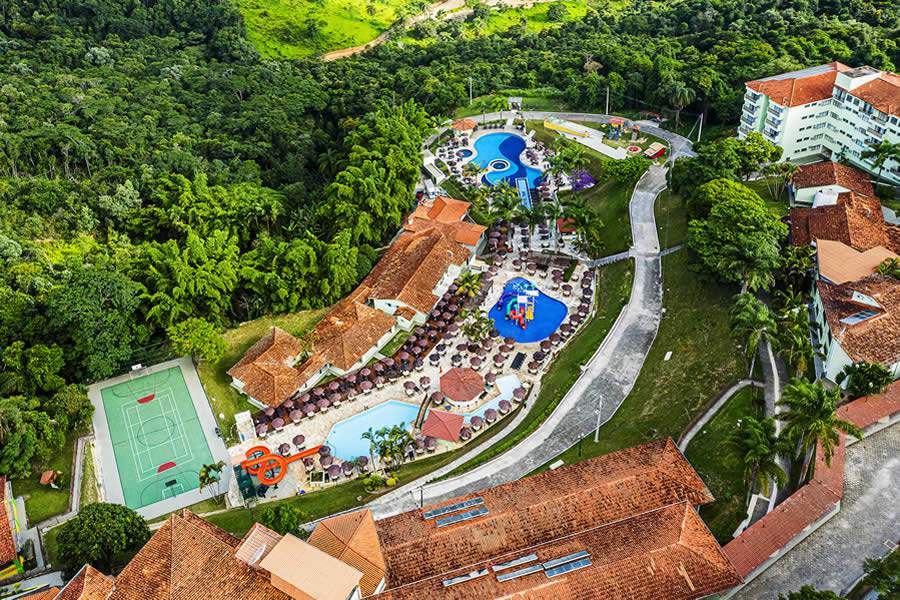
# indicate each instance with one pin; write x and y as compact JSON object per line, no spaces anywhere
{"x":776,"y":110}
{"x":751,"y":108}
{"x":750,"y":121}
{"x":770,"y":134}
{"x":773,"y":123}
{"x":752,"y":96}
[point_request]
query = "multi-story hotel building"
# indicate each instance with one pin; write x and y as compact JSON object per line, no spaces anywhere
{"x":830,"y":111}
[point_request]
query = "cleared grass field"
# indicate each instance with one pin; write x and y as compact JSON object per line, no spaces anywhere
{"x":297,"y":28}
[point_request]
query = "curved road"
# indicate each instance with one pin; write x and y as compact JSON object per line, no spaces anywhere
{"x":607,"y":377}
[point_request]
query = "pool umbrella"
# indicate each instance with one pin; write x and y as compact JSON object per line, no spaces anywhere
{"x":493,"y":269}
{"x":287,"y":405}
{"x":409,"y":385}
{"x":284,"y":448}
{"x":277,"y":423}
{"x":456,"y":359}
{"x":324,"y":451}
{"x":447,"y":315}
{"x":334,"y":398}
{"x":423,"y":343}
{"x":326,"y":460}
{"x":490,"y":378}
{"x":437,"y":397}
{"x":378,"y":367}
{"x":453,"y":288}
{"x":417,"y":350}
{"x":519,"y":394}
{"x":555,"y":338}
{"x":465,"y":434}
{"x":334,"y":386}
{"x":296,"y":415}
{"x":411,"y":340}
{"x":362,"y":460}
{"x":379,"y":381}
{"x":534,"y":367}
{"x":419,"y":331}
{"x":367,"y":372}
{"x":430,"y":443}
{"x":539,"y":356}
{"x":435,"y":358}
{"x":347,"y":467}
{"x":494,"y":234}
{"x":509,"y":341}
{"x":304,"y":398}
{"x":441,"y":348}
{"x":504,"y":406}
{"x":585,"y":284}
{"x":261,"y":429}
{"x":319,"y":391}
{"x":506,"y":348}
{"x":490,"y":415}
{"x":440,"y":325}
{"x":565,"y":328}
{"x":299,"y":439}
{"x":365,"y":386}
{"x":389,"y":362}
{"x":308,"y":462}
{"x":323,"y":404}
{"x":269,"y":411}
{"x":567,"y":288}
{"x":309,"y":409}
{"x":453,"y":327}
{"x":351,"y":378}
{"x":453,"y":307}
{"x":546,"y":345}
{"x":462,"y":347}
{"x":487,"y":343}
{"x":435,"y":314}
{"x":475,"y":362}
{"x":404,"y":356}
{"x":352,"y":393}
{"x":334,"y":472}
{"x":424,"y":381}
{"x":481,"y":352}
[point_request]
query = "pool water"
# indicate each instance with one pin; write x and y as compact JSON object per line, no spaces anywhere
{"x":506,"y":147}
{"x":345,"y":438}
{"x":548,"y":314}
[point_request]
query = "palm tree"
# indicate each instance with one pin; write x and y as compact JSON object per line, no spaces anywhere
{"x":469,"y":283}
{"x":210,"y":474}
{"x":476,"y":325}
{"x":890,"y":267}
{"x":532,"y":216}
{"x":882,"y":152}
{"x":372,"y":437}
{"x":752,"y":320}
{"x":588,"y":227}
{"x":499,"y":104}
{"x":811,"y":420}
{"x":796,"y":265}
{"x":792,"y":336}
{"x":778,"y":175}
{"x":681,"y":95}
{"x":756,"y":444}
{"x":505,"y":201}
{"x":553,"y":212}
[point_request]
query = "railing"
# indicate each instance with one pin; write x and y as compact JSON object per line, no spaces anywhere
{"x":748,"y":120}
{"x":751,"y":108}
{"x":776,"y":123}
{"x":776,"y":110}
{"x":771,"y":134}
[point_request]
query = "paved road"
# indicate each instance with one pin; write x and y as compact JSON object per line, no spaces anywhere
{"x":608,"y":376}
{"x":867,"y":525}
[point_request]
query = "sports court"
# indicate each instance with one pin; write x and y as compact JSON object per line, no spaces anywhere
{"x":154,"y":429}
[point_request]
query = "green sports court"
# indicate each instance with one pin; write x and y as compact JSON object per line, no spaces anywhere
{"x":150,"y":434}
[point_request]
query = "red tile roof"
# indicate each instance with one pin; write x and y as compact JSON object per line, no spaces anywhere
{"x":876,"y":339}
{"x":352,"y":539}
{"x":443,"y":425}
{"x":802,"y":89}
{"x":565,"y":509}
{"x":855,"y":220}
{"x":88,"y":584}
{"x":448,"y":215}
{"x":7,"y":543}
{"x":462,"y":384}
{"x":883,"y":93}
{"x":826,"y":173}
{"x":348,"y":331}
{"x":48,"y":594}
{"x":267,"y":367}
{"x":771,"y":534}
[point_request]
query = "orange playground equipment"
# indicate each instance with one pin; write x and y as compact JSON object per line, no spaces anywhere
{"x":271,"y":468}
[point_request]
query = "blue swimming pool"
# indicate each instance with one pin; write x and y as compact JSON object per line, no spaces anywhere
{"x":520,"y":294}
{"x":345,"y":438}
{"x":506,"y":147}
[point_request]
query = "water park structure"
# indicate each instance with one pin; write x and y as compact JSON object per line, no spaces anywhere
{"x":517,"y":303}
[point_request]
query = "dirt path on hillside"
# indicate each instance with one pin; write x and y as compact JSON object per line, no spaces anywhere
{"x":445,"y":7}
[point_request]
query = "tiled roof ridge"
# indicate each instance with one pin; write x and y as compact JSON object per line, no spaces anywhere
{"x":694,"y":550}
{"x":548,"y":542}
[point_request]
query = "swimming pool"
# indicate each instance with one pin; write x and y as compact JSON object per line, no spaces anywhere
{"x":504,"y":148}
{"x":548,"y":312}
{"x":345,"y":438}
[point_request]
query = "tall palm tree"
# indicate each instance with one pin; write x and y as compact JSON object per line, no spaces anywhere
{"x":532,"y":216}
{"x":680,"y":95}
{"x":499,"y":104}
{"x":757,"y":446}
{"x":880,"y":153}
{"x":371,"y":436}
{"x":505,"y":201}
{"x":553,"y":212}
{"x":811,"y":420}
{"x":210,"y":474}
{"x":469,"y":283}
{"x":889,"y":267}
{"x":588,"y":227}
{"x":752,"y":320}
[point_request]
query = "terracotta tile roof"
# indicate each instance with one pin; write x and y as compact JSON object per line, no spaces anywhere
{"x":825,"y":173}
{"x":267,"y":367}
{"x":868,"y":410}
{"x":855,"y":220}
{"x":443,"y":425}
{"x":406,"y":312}
{"x":256,"y":544}
{"x":840,"y":263}
{"x":772,"y":533}
{"x":413,"y":266}
{"x":88,"y":584}
{"x":48,"y":594}
{"x":7,"y":543}
{"x":462,"y":384}
{"x":876,"y":339}
{"x":448,"y":215}
{"x":541,"y":509}
{"x":882,"y":93}
{"x":346,"y":333}
{"x":353,"y":539}
{"x":187,"y":555}
{"x":800,"y":87}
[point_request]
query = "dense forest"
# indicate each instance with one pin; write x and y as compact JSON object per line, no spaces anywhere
{"x":154,"y":169}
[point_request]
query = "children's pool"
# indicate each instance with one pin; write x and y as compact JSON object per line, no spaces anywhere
{"x":548,"y":312}
{"x":504,"y":150}
{"x":345,"y":438}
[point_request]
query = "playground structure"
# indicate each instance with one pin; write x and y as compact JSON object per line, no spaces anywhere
{"x":271,"y":468}
{"x":518,"y":303}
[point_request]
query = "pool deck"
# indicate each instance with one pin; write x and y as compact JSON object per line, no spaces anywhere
{"x":317,"y":428}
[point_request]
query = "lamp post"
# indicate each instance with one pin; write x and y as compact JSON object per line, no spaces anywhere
{"x":599,"y":414}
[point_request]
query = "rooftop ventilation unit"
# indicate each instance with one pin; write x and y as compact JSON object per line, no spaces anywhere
{"x":465,"y":516}
{"x":465,"y":578}
{"x":515,"y":562}
{"x":446,"y":510}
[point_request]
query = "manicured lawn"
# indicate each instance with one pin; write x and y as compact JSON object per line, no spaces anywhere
{"x":89,"y":492}
{"x":204,"y":506}
{"x":225,"y":400}
{"x":723,"y":472}
{"x":395,"y":343}
{"x":279,"y":28}
{"x":668,"y":393}
{"x":50,"y":545}
{"x":614,"y":289}
{"x":671,"y":219}
{"x":778,"y":205}
{"x":42,"y":501}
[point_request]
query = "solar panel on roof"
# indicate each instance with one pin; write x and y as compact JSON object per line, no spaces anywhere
{"x":515,"y":562}
{"x":858,"y":317}
{"x":446,"y":510}
{"x":569,"y":567}
{"x":520,"y":573}
{"x":464,"y":516}
{"x":567,"y":558}
{"x":864,"y":299}
{"x":466,"y":577}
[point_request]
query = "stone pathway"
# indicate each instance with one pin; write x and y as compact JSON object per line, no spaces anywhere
{"x":868,"y":525}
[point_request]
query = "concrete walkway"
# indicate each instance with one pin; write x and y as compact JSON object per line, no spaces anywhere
{"x":868,"y":525}
{"x":712,"y":410}
{"x":605,"y":382}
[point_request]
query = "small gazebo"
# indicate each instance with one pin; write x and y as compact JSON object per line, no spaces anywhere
{"x":462,"y":385}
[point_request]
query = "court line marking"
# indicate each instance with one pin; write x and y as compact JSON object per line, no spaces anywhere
{"x":166,"y":401}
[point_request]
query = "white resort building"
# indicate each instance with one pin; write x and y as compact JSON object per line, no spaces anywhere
{"x":829,"y":111}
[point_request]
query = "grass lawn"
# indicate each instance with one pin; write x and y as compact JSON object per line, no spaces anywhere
{"x":536,"y":18}
{"x":719,"y":468}
{"x":395,"y":343}
{"x":614,"y":289}
{"x":705,"y":360}
{"x":225,"y":399}
{"x":89,"y":491}
{"x":778,"y":205}
{"x":532,"y":99}
{"x":50,"y":545}
{"x":671,"y":219}
{"x":280,"y":28}
{"x":42,"y":501}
